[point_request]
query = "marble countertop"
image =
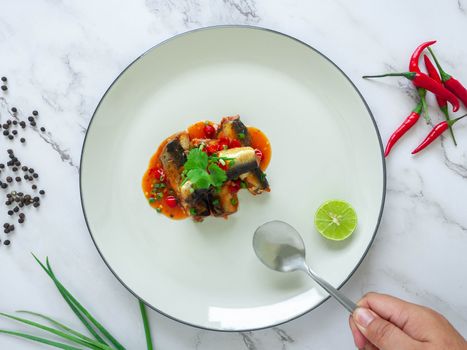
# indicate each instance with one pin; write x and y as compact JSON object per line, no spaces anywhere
{"x":60,"y":57}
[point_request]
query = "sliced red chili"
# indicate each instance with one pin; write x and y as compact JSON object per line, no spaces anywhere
{"x":234,"y":143}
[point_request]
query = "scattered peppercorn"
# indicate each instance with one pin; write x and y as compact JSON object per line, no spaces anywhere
{"x":42,"y":192}
{"x":7,"y":242}
{"x":35,"y":113}
{"x":14,"y":110}
{"x":23,"y":140}
{"x":4,"y":79}
{"x":4,"y":87}
{"x":42,"y":129}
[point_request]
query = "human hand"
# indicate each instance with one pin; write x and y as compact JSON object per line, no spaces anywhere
{"x":388,"y":323}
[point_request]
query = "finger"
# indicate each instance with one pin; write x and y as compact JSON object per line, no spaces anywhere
{"x":382,"y":333}
{"x":369,"y":346}
{"x":358,"y":337}
{"x":411,"y":318}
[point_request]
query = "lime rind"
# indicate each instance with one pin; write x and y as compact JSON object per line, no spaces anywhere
{"x":335,"y":220}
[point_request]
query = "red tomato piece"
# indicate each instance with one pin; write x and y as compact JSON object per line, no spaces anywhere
{"x":209,"y":131}
{"x":171,"y":201}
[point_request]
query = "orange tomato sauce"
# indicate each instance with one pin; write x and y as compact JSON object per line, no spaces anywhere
{"x":152,"y":184}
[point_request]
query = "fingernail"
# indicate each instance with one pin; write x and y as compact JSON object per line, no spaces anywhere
{"x":363,"y":316}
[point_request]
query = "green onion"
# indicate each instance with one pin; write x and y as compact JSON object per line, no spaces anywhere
{"x":147,"y":329}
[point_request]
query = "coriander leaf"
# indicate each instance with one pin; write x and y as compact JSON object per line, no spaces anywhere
{"x":199,"y":178}
{"x":196,"y":159}
{"x":218,"y":175}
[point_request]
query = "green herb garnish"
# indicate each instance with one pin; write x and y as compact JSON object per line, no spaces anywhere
{"x":192,"y":211}
{"x":151,"y":200}
{"x":159,"y":210}
{"x":241,"y":135}
{"x":202,"y":171}
{"x":243,"y":184}
{"x":215,"y":202}
{"x":233,"y":201}
{"x":99,"y":338}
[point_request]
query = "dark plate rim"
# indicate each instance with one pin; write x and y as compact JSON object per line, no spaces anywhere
{"x":383,"y":197}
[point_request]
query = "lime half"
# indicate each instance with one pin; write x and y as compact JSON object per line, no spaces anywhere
{"x":336,"y":220}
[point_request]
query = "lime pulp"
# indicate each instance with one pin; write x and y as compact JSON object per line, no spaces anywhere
{"x":335,"y":220}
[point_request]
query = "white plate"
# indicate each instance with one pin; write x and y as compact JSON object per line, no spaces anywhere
{"x":325,"y":145}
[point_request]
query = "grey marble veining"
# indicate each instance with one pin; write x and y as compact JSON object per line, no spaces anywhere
{"x":60,"y":57}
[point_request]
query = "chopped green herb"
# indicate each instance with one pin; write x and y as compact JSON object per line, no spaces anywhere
{"x":231,"y":163}
{"x":159,"y":195}
{"x":241,"y":135}
{"x":192,"y":211}
{"x":233,"y":201}
{"x":243,"y":184}
{"x":159,"y":210}
{"x":263,"y":176}
{"x":162,"y":185}
{"x":202,"y":171}
{"x":215,"y":202}
{"x":151,"y":200}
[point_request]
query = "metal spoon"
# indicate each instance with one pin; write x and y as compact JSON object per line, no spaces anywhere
{"x":280,"y":247}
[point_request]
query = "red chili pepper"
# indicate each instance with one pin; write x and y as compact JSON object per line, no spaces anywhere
{"x":224,"y":143}
{"x":212,"y":148}
{"x":234,"y":187}
{"x":413,"y":65}
{"x":234,"y":143}
{"x":450,"y":82}
{"x":403,"y":128}
{"x":424,"y":81}
{"x":158,"y":173}
{"x":442,"y":103}
{"x":436,"y":132}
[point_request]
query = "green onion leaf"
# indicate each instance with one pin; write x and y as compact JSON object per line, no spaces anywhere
{"x":89,"y":344}
{"x":40,"y":340}
{"x":63,"y":327}
{"x":147,"y":329}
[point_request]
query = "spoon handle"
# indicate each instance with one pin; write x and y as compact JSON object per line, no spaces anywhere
{"x":339,"y":296}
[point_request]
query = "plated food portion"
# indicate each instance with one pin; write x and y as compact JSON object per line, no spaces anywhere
{"x":198,"y":172}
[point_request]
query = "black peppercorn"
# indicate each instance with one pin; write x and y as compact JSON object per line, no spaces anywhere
{"x":4,"y":79}
{"x":4,"y":87}
{"x":41,"y":192}
{"x":22,"y":140}
{"x":7,"y":242}
{"x":14,"y":110}
{"x":42,"y":129}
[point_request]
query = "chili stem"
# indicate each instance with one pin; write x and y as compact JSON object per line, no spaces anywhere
{"x":444,"y":76}
{"x":422,"y":94}
{"x":408,"y":75}
{"x":446,"y":115}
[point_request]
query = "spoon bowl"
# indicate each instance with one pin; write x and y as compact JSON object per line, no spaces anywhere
{"x":280,"y":247}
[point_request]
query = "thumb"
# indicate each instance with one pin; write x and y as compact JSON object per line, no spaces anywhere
{"x":382,"y":333}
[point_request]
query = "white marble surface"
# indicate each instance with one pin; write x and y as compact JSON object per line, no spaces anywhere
{"x":60,"y":56}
